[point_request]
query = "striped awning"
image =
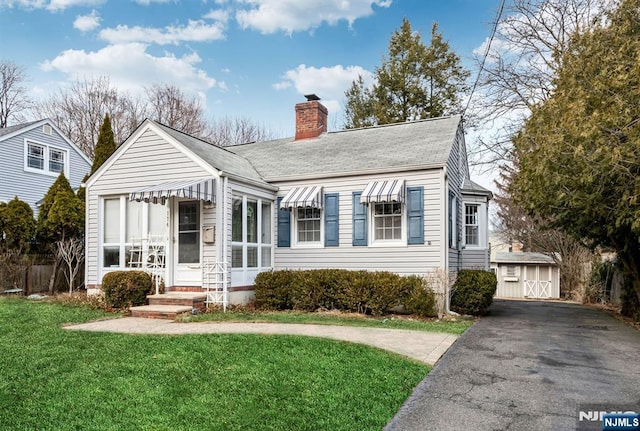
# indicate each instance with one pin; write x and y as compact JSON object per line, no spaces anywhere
{"x":202,"y":189}
{"x":383,"y":191}
{"x":302,"y":197}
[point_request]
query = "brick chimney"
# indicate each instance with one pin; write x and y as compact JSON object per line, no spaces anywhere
{"x":311,"y":118}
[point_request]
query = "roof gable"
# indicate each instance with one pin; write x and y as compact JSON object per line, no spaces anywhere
{"x":418,"y":144}
{"x":11,"y":131}
{"x":208,"y":156}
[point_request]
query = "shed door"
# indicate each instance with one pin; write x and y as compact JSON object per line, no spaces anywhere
{"x":537,"y":281}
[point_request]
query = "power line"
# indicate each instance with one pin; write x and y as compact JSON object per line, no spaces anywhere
{"x":486,"y":54}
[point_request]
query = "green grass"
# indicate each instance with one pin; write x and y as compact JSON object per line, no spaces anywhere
{"x":449,"y":326}
{"x":54,"y":379}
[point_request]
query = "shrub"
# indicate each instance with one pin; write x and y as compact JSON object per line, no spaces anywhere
{"x":126,"y":288}
{"x":339,"y":289}
{"x":421,"y":299}
{"x":473,"y":292}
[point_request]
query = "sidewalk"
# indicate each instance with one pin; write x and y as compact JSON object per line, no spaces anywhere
{"x":422,"y":346}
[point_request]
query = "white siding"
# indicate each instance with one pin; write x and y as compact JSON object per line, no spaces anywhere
{"x":32,"y":186}
{"x":148,"y":161}
{"x":405,"y":260}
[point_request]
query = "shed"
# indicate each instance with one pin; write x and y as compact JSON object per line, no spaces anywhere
{"x":526,"y":275}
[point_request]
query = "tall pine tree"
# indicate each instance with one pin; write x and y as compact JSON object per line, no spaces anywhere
{"x":413,"y":82}
{"x":105,"y":145}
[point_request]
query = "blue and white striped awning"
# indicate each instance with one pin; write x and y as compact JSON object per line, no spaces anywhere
{"x":202,"y":190}
{"x":383,"y":191}
{"x":302,"y":197}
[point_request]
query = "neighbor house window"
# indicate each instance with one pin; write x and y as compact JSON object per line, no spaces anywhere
{"x":308,"y":225}
{"x":251,"y":232}
{"x":511,"y":271}
{"x":471,"y":224}
{"x":387,"y":221}
{"x":45,"y":159}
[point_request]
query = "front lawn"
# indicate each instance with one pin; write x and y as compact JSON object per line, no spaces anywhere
{"x":53,"y":379}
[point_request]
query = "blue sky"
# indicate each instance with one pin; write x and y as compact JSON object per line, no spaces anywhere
{"x":244,"y":58}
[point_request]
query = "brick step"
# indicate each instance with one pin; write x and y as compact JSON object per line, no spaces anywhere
{"x":195,"y":300}
{"x":161,"y":311}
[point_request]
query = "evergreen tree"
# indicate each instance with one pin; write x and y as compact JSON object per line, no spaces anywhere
{"x":413,"y":82}
{"x":17,"y":225}
{"x":579,"y":151}
{"x":44,"y":233}
{"x":105,"y":145}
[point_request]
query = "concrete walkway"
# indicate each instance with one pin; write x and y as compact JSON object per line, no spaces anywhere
{"x":422,"y":346}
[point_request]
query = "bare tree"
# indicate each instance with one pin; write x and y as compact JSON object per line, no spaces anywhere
{"x":78,"y":110}
{"x":13,"y":95}
{"x":519,"y":69}
{"x":229,"y":131}
{"x":71,"y":252}
{"x":170,"y":106}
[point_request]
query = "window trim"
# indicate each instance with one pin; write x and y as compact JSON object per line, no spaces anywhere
{"x":46,"y":158}
{"x":295,"y":243}
{"x":482,"y":224}
{"x":372,"y":229}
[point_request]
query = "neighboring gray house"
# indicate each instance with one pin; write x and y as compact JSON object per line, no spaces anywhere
{"x":526,"y":275}
{"x":32,"y":155}
{"x":395,"y":198}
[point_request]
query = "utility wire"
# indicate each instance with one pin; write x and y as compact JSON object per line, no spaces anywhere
{"x":486,"y":54}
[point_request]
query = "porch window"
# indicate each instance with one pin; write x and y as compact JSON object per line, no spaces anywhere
{"x":250,"y":233}
{"x":471,"y":224}
{"x":124,"y":225}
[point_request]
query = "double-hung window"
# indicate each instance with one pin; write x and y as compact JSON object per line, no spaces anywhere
{"x":471,"y":224}
{"x":308,"y":225}
{"x":45,"y":159}
{"x":387,"y":221}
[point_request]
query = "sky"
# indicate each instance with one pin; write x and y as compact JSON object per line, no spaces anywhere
{"x":243,"y":58}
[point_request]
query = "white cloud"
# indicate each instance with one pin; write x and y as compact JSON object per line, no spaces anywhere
{"x":86,"y":23}
{"x":270,"y":16}
{"x":52,"y":5}
{"x":329,"y":83}
{"x":194,"y":31}
{"x":131,"y":68}
{"x":148,"y":2}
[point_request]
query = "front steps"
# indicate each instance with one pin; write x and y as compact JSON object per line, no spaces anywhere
{"x":170,"y":305}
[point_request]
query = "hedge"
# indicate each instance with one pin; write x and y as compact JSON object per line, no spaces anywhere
{"x":123,"y":289}
{"x":365,"y":292}
{"x":473,"y":292}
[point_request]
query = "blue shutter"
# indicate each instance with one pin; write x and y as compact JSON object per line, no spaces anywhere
{"x":415,"y":215}
{"x":284,"y":226}
{"x":331,"y":220}
{"x":359,"y":220}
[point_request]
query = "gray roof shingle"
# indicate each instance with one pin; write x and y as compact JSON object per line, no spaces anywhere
{"x":6,"y":130}
{"x":425,"y":143}
{"x":218,"y":157}
{"x":523,"y":257}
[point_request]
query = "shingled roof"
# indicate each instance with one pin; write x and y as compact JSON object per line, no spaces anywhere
{"x":419,"y":144}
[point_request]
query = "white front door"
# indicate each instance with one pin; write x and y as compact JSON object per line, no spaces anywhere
{"x":187,"y":243}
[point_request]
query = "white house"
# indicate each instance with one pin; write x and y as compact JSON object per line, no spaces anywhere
{"x":32,"y":155}
{"x":395,"y":198}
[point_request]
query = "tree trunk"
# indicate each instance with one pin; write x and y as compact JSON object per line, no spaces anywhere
{"x":52,"y":279}
{"x":631,"y":265}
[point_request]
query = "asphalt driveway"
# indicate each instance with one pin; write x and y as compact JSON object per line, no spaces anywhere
{"x":529,"y":365}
